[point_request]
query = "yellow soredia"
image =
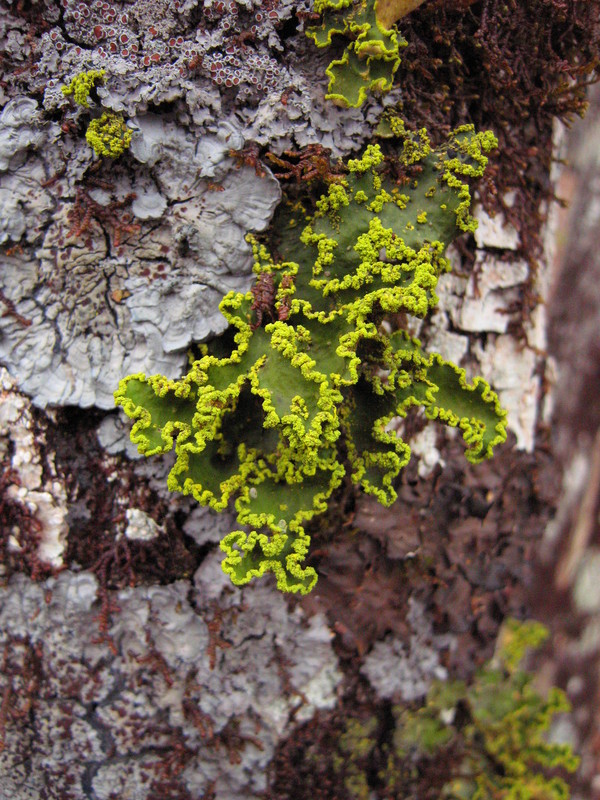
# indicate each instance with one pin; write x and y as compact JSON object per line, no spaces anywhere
{"x":109,"y":135}
{"x":82,"y":84}
{"x":305,"y":394}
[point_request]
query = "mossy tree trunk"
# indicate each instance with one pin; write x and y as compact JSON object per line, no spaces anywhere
{"x":130,"y":665}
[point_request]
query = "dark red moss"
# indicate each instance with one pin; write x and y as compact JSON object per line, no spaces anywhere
{"x":100,"y":488}
{"x":303,"y":766}
{"x":512,"y":66}
{"x":86,"y":213}
{"x":460,"y":541}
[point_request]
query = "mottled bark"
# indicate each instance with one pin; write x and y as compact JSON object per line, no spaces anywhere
{"x":566,"y":588}
{"x":131,"y":668}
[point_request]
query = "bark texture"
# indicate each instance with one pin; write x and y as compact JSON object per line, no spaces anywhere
{"x":131,"y":668}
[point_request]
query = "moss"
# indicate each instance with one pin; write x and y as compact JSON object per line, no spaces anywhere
{"x":513,"y":67}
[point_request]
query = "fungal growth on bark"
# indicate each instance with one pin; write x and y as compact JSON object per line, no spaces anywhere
{"x":373,"y":54}
{"x":315,"y":375}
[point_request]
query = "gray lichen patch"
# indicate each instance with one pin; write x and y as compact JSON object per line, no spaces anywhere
{"x":515,"y":372}
{"x":26,"y":203}
{"x":494,"y":287}
{"x":113,"y":436}
{"x":205,"y":526}
{"x":109,"y":292}
{"x":171,"y":696}
{"x":236,"y":63}
{"x":20,"y":130}
{"x":148,"y":203}
{"x":125,"y":262}
{"x":140,"y":526}
{"x":489,"y":302}
{"x":397,"y":669}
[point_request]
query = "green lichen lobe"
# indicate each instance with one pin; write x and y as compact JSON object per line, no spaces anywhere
{"x":312,"y":368}
{"x":371,"y":57}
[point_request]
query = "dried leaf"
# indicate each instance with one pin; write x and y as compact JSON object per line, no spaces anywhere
{"x":390,"y":11}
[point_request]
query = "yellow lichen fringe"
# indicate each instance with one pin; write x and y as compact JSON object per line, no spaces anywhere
{"x":306,"y":394}
{"x":81,"y":86}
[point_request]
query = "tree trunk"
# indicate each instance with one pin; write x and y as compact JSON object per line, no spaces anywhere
{"x":131,"y":666}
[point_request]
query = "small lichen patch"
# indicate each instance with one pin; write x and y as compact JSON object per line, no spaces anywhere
{"x":109,"y":135}
{"x":81,"y":86}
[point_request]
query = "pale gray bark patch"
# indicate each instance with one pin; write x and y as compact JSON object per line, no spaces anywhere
{"x":123,"y":708}
{"x":400,"y":669}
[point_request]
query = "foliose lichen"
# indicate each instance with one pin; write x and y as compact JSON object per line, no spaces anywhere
{"x":473,"y":742}
{"x":314,"y":378}
{"x":373,"y":54}
{"x":369,"y":60}
{"x":101,"y":270}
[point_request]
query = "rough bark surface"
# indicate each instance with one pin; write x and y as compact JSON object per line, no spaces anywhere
{"x":569,"y":555}
{"x":130,"y":667}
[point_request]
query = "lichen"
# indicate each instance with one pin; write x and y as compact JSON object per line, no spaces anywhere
{"x":109,"y":135}
{"x":103,"y":300}
{"x":81,"y":86}
{"x":164,"y":706}
{"x":33,"y":505}
{"x":503,"y":750}
{"x":476,"y":741}
{"x":311,"y":366}
{"x":369,"y":60}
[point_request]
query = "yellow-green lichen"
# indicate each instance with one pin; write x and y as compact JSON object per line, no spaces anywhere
{"x":486,"y":740}
{"x":300,"y":401}
{"x":109,"y":135}
{"x":81,"y":86}
{"x":371,"y":158}
{"x":372,"y":54}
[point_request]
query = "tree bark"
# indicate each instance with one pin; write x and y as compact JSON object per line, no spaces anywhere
{"x":131,"y":667}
